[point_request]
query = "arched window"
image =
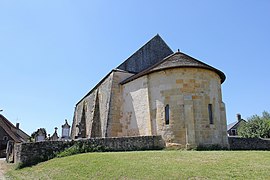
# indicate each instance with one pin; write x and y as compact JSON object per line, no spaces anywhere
{"x":167,"y":114}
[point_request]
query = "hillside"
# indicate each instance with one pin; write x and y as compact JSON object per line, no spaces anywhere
{"x":153,"y":165}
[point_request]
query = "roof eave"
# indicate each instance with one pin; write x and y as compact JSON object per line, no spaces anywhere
{"x":136,"y":76}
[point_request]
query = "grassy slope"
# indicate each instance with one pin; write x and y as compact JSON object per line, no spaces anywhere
{"x":153,"y":165}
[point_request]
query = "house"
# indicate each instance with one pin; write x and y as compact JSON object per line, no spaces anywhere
{"x":156,"y":92}
{"x":10,"y":132}
{"x":55,"y":136}
{"x":232,"y":128}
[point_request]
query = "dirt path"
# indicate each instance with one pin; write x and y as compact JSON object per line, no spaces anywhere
{"x":3,"y":168}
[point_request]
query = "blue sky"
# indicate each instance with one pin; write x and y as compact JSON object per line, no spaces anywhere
{"x":53,"y":52}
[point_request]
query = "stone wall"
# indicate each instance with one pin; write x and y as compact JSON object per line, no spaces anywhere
{"x":187,"y":92}
{"x":101,"y":107}
{"x":114,"y":125}
{"x":31,"y":153}
{"x":237,"y":143}
{"x":135,"y":108}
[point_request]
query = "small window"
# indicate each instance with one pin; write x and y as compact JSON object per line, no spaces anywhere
{"x":5,"y":138}
{"x":210,"y":112}
{"x":167,"y":114}
{"x":233,"y":132}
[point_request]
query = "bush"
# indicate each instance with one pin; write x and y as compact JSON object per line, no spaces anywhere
{"x":256,"y":127}
{"x":82,"y":147}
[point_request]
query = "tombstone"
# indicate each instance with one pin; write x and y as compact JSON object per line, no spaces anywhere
{"x":65,"y":131}
{"x":54,"y":137}
{"x":40,"y":136}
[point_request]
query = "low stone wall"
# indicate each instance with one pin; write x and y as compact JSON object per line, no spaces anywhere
{"x":31,"y":153}
{"x":238,"y":143}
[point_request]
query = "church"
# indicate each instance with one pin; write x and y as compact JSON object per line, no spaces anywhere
{"x":156,"y":92}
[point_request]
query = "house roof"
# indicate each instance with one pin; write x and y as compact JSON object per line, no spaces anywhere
{"x":231,"y":125}
{"x":176,"y":60}
{"x":12,"y":131}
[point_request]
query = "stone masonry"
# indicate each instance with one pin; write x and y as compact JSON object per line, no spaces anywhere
{"x":31,"y":153}
{"x":132,"y":100}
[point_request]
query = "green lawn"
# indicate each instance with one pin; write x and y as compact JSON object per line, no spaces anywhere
{"x":153,"y":165}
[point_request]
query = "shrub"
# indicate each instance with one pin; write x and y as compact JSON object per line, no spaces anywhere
{"x":82,"y":147}
{"x":256,"y":126}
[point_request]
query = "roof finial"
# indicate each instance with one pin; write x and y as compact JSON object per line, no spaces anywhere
{"x":178,"y":50}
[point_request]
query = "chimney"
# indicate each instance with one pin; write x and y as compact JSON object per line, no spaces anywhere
{"x":17,"y":125}
{"x":238,"y":117}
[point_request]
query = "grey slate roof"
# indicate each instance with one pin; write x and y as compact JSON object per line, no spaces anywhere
{"x":229,"y":126}
{"x":233,"y":124}
{"x":177,"y":60}
{"x":149,"y":54}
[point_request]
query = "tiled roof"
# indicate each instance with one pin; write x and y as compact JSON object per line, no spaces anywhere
{"x":177,"y":60}
{"x":11,"y":130}
{"x":231,"y":125}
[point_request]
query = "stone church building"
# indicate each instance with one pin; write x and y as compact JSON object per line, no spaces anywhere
{"x":156,"y":92}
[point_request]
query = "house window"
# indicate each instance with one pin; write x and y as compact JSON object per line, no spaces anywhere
{"x":210,"y":112}
{"x":5,"y":138}
{"x":233,"y":132}
{"x":167,"y":114}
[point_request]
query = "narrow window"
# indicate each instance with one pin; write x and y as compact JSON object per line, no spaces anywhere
{"x":167,"y":114}
{"x":233,"y":132}
{"x":210,"y":112}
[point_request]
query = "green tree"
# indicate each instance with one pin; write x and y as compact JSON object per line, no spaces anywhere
{"x":256,"y":126}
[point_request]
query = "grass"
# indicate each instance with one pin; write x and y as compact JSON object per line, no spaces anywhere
{"x":152,"y":165}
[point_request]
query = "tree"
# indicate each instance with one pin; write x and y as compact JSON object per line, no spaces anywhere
{"x":256,"y":126}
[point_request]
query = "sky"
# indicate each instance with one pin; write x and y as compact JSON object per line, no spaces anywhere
{"x":53,"y":52}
